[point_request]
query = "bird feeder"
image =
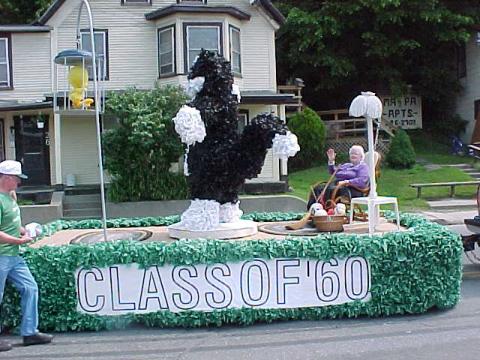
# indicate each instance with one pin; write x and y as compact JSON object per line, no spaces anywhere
{"x":75,"y":88}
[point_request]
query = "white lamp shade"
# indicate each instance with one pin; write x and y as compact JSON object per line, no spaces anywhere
{"x":367,"y":105}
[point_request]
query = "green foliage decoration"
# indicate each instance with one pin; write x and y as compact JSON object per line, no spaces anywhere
{"x":411,"y":271}
{"x":141,"y":147}
{"x":401,"y":154}
{"x":311,"y":133}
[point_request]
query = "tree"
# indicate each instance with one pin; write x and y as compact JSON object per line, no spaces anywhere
{"x":311,"y":133}
{"x":401,"y":154}
{"x":22,"y":11}
{"x":141,"y":148}
{"x":393,"y":46}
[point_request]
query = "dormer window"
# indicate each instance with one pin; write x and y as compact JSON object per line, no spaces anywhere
{"x":200,"y":36}
{"x":5,"y":63}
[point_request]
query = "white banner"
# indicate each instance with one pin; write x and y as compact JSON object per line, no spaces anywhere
{"x":258,"y":283}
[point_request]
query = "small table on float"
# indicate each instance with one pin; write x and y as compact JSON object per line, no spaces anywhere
{"x":373,"y":205}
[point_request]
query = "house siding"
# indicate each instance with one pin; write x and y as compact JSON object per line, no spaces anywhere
{"x":79,"y":149}
{"x":133,"y":62}
{"x":30,"y":67}
{"x":132,"y":42}
{"x":471,"y":88}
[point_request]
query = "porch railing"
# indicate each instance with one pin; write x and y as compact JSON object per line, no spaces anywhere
{"x":344,"y":131}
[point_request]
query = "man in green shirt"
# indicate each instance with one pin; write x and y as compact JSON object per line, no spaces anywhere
{"x":12,"y":267}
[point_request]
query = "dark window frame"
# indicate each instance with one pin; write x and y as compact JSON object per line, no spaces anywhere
{"x":247,"y":118}
{"x":8,"y":37}
{"x":136,"y":2}
{"x":232,"y":28}
{"x":107,"y":52}
{"x":192,"y":2}
{"x":461,"y":57}
{"x":186,"y":25}
{"x":174,"y":50}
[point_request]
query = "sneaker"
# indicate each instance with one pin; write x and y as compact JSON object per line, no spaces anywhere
{"x":37,"y":339}
{"x":5,"y":346}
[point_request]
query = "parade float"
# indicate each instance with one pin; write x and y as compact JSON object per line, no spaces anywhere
{"x":216,"y":266}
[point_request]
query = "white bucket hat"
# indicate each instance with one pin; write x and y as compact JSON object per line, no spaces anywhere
{"x":12,"y":167}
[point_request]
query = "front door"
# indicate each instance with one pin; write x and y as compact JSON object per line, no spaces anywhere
{"x":32,"y":148}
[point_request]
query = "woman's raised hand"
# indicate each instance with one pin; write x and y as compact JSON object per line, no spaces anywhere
{"x":331,"y":155}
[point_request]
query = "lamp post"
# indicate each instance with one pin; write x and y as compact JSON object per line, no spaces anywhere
{"x":75,"y":101}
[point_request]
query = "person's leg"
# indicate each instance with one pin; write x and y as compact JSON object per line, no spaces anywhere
{"x":23,"y":280}
{"x":5,"y":265}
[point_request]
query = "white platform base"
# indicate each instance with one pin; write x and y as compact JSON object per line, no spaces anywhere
{"x":238,"y":229}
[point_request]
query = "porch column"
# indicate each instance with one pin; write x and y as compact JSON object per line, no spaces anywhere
{"x":58,"y":146}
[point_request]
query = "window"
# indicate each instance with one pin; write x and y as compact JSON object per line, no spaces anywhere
{"x":101,"y":49}
{"x":136,"y":2}
{"x":192,"y":1}
{"x":201,"y":36}
{"x":5,"y":65}
{"x":2,"y":141}
{"x":235,"y":50}
{"x":461,"y":61}
{"x":166,"y":51}
{"x":242,"y":120}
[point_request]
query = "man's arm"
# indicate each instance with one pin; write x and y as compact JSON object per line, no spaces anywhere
{"x":9,"y":239}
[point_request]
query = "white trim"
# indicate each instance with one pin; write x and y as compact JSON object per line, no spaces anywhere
{"x":233,"y":29}
{"x":7,"y":62}
{"x":172,"y":50}
{"x":219,"y":37}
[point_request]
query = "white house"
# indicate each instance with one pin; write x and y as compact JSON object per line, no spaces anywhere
{"x":468,"y":71}
{"x":143,"y":41}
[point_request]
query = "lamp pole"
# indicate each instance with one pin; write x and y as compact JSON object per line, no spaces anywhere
{"x":97,"y":107}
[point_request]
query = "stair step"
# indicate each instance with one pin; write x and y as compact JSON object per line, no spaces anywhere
{"x":73,"y":199}
{"x":463,"y":166}
{"x":452,"y":204}
{"x":82,"y":205}
{"x":81,"y":217}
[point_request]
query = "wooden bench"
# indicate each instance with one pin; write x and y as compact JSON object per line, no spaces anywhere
{"x":451,"y":184}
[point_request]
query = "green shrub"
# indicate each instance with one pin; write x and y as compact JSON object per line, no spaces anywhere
{"x":143,"y":144}
{"x":311,"y":134}
{"x":401,"y":154}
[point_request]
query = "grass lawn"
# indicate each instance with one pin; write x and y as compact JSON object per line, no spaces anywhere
{"x":395,"y":183}
{"x":433,"y":152}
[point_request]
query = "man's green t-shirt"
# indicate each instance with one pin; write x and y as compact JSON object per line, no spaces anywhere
{"x":10,"y":223}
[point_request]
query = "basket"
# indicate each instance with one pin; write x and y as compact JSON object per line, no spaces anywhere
{"x":330,"y":223}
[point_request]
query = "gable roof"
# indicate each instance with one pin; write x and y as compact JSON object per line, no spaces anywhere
{"x":52,"y":9}
{"x":199,"y":9}
{"x":266,"y":5}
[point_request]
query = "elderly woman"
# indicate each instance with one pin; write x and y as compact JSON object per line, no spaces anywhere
{"x":352,"y":175}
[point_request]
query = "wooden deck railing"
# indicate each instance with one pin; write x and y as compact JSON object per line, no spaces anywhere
{"x":339,"y":124}
{"x":295,"y":89}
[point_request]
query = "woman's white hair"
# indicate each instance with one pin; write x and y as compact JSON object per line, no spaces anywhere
{"x":359,"y":150}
